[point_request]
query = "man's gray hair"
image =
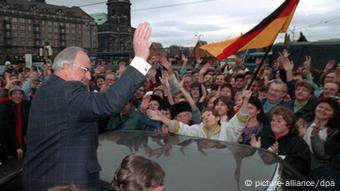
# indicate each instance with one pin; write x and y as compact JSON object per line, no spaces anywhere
{"x":66,"y":56}
{"x":277,"y":81}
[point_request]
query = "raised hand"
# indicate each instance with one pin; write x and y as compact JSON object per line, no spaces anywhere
{"x":184,"y":59}
{"x":199,"y":60}
{"x":285,"y":63}
{"x":285,"y":53}
{"x":145,"y":103}
{"x":308,"y":62}
{"x":302,"y":127}
{"x":254,"y":142}
{"x":165,"y":63}
{"x":141,"y":40}
{"x":316,"y":129}
{"x":274,"y":148}
{"x":258,"y":61}
{"x":329,"y":66}
{"x":10,"y":82}
{"x":154,"y":115}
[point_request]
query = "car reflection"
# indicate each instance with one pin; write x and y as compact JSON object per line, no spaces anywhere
{"x":191,"y":163}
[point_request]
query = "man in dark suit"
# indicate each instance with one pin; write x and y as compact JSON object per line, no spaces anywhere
{"x":62,"y":132}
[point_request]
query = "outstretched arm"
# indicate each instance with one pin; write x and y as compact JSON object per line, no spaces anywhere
{"x":90,"y":106}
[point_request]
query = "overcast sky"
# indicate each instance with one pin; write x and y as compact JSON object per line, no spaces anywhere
{"x":216,"y":20}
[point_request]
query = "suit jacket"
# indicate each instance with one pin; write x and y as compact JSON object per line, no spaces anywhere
{"x":267,"y":115}
{"x":62,"y":131}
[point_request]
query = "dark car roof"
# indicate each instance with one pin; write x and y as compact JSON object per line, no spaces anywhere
{"x":190,"y":163}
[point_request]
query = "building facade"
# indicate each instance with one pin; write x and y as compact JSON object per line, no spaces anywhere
{"x":27,"y":26}
{"x":115,"y":35}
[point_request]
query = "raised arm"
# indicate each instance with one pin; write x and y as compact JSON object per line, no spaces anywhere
{"x":202,"y":71}
{"x":158,"y":116}
{"x":287,"y":65}
{"x":141,"y":41}
{"x":166,"y":87}
{"x":189,"y":98}
{"x":234,"y":127}
{"x":91,"y":106}
{"x":184,"y":65}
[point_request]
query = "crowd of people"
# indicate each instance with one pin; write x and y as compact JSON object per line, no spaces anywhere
{"x":290,"y":109}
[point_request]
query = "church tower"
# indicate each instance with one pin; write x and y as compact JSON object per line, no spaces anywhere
{"x":115,"y":35}
{"x":119,"y":12}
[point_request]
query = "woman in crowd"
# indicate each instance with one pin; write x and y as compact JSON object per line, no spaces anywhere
{"x":224,"y":106}
{"x":227,"y":90}
{"x":255,"y":120}
{"x":316,"y":127}
{"x":282,"y":138}
{"x":211,"y":127}
{"x":137,"y":173}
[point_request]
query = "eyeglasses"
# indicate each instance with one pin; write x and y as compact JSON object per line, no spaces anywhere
{"x":275,"y":90}
{"x":85,"y":70}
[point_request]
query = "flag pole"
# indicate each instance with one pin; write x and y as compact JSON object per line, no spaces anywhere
{"x":260,"y":66}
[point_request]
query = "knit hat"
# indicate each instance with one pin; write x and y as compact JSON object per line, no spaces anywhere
{"x":15,"y":88}
{"x":179,"y":108}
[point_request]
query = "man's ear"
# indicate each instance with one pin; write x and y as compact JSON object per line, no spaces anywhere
{"x":66,"y":66}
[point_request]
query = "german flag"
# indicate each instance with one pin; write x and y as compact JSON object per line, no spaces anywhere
{"x":262,"y":35}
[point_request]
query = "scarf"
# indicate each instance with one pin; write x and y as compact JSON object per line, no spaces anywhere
{"x":19,"y":124}
{"x":4,"y":99}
